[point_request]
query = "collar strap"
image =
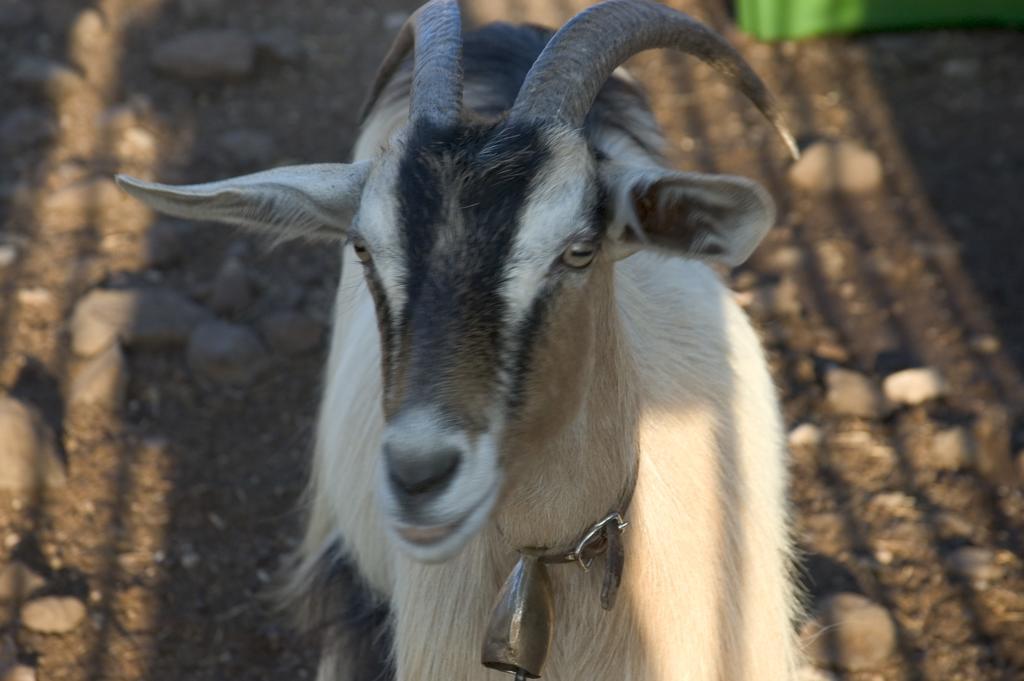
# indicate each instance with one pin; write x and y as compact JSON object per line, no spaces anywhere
{"x":603,"y":537}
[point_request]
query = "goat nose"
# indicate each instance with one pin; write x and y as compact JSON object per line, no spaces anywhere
{"x":419,"y":474}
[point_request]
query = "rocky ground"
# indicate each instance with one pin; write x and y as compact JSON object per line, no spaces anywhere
{"x":160,"y":378}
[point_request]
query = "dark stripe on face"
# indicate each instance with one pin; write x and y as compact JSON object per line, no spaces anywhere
{"x":462,"y":192}
{"x":385,"y":324}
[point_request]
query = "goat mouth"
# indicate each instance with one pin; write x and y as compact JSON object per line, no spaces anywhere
{"x":425,"y":535}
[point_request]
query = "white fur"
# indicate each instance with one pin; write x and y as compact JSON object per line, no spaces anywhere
{"x":706,"y":594}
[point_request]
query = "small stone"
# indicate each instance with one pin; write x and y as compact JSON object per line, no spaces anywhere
{"x":17,"y":581}
{"x":985,"y":344}
{"x":162,"y":245}
{"x":849,"y":393}
{"x":20,"y":672}
{"x":230,"y":289}
{"x":35,"y":296}
{"x":951,"y":450}
{"x":914,"y":386}
{"x":53,"y":614}
{"x":831,"y":259}
{"x":8,"y":255}
{"x":28,"y":449}
{"x":280,"y":45}
{"x":150,"y":317}
{"x":226,"y":353}
{"x":975,"y":564}
{"x":850,"y":632}
{"x":101,"y":380}
{"x":786,"y":300}
{"x":42,"y":73}
{"x":247,"y":147}
{"x":24,"y":128}
{"x":805,"y":435}
{"x":837,"y":166}
{"x":831,"y":351}
{"x":206,"y":54}
{"x":785,"y":259}
{"x":189,"y":559}
{"x":291,"y":333}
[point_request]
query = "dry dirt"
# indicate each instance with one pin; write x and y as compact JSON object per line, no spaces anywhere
{"x":180,"y":504}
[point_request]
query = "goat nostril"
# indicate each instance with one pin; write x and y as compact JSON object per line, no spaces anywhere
{"x":422,"y":473}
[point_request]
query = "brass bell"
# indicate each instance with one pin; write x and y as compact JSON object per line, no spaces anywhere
{"x":519,"y":633}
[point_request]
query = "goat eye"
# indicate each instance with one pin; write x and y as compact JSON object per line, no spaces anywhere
{"x":579,"y":254}
{"x":363,"y":253}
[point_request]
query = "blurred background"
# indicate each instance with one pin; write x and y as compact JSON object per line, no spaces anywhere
{"x":158,"y":379}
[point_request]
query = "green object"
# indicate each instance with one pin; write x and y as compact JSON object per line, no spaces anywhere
{"x":788,"y":19}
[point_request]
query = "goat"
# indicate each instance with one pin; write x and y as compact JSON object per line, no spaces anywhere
{"x":527,"y":334}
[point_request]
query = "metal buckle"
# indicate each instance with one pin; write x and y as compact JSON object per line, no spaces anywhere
{"x":595,"y":534}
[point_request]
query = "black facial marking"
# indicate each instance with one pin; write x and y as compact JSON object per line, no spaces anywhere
{"x":462,"y":192}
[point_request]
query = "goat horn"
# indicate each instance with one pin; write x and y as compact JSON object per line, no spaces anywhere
{"x":568,"y":74}
{"x":435,"y":29}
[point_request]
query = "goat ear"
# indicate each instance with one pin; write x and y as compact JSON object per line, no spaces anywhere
{"x":720,"y":218}
{"x":311,"y":201}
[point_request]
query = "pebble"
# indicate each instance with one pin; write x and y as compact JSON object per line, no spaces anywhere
{"x":39,"y":72}
{"x":8,"y":255}
{"x":850,"y":632}
{"x":785,"y":259}
{"x":163,"y":244}
{"x":53,"y":614}
{"x":985,"y":344}
{"x":20,"y":672}
{"x":951,"y":450}
{"x":230,"y":291}
{"x":206,"y":54}
{"x":975,"y":564}
{"x":226,"y":353}
{"x":35,"y":296}
{"x":837,"y":166}
{"x":24,"y":128}
{"x":17,"y":581}
{"x":849,"y":393}
{"x":28,"y":450}
{"x":914,"y":386}
{"x":805,"y":435}
{"x":138,"y":317}
{"x":291,"y":333}
{"x":101,"y":381}
{"x":246,"y":147}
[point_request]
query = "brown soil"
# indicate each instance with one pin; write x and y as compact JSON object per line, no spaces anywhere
{"x":180,"y":505}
